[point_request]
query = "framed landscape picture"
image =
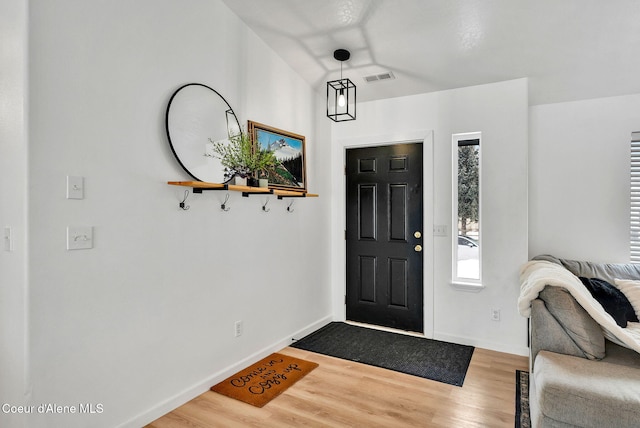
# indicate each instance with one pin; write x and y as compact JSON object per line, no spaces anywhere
{"x":289,"y":149}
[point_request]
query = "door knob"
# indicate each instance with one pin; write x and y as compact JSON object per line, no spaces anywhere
{"x":417,"y":234}
{"x":417,"y":248}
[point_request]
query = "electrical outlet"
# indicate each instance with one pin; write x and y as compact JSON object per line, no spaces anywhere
{"x":238,"y":328}
{"x":495,"y":314}
{"x":8,"y":240}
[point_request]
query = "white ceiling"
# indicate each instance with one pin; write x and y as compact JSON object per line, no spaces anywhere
{"x":569,"y":49}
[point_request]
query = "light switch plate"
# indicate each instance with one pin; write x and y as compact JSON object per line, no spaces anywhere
{"x":75,"y":187}
{"x":79,"y":238}
{"x":439,"y":230}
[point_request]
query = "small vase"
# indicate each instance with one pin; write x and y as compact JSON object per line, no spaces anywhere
{"x":252,"y":182}
{"x":240,"y":181}
{"x":263,"y":182}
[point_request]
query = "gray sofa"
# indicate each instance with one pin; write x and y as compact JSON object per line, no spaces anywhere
{"x":579,"y":378}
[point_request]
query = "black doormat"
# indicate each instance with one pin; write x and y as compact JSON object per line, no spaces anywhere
{"x":523,"y":418}
{"x":430,"y":359}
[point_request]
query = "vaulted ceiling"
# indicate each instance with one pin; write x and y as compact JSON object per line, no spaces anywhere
{"x":569,"y":49}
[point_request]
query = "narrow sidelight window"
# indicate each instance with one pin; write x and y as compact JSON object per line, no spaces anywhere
{"x":466,"y":208}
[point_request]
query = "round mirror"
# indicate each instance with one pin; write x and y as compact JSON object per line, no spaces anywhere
{"x":197,"y":115}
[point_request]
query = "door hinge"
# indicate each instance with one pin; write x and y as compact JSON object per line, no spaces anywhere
{"x":345,"y":170}
{"x":345,"y":234}
{"x":345,"y":299}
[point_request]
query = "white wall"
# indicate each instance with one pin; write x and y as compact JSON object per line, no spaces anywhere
{"x":579,"y":178}
{"x":13,"y":199}
{"x":499,"y":111}
{"x":144,"y":321}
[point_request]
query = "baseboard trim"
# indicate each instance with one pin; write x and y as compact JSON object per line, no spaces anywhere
{"x":493,"y":346}
{"x":203,"y":386}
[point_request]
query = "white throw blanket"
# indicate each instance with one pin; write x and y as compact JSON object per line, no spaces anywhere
{"x":536,"y":274}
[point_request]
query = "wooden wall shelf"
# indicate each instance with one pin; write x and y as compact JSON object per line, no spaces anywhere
{"x":200,"y":186}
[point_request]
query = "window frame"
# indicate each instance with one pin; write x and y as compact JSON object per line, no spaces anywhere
{"x":471,"y":284}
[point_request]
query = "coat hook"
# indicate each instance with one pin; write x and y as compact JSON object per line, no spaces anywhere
{"x":182,"y":204}
{"x":290,"y":207}
{"x":224,"y":206}
{"x":264,"y":207}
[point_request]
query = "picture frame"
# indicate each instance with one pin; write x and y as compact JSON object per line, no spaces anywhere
{"x":289,"y":149}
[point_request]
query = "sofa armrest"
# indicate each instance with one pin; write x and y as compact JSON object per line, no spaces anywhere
{"x":548,"y":335}
{"x":564,"y":327}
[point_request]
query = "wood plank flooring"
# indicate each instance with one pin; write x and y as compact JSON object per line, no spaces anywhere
{"x":342,"y":393}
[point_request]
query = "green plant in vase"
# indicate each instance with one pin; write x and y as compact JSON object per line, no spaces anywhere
{"x":240,"y":158}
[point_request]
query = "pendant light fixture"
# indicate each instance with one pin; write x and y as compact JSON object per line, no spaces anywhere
{"x":341,"y":94}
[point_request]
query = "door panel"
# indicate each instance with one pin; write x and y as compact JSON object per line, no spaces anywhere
{"x":398,"y":281}
{"x":384,"y":209}
{"x":367,"y":208}
{"x":367,"y":283}
{"x":398,"y":213}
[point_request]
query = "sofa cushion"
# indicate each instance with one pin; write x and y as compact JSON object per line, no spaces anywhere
{"x":585,"y":393}
{"x":575,"y":321}
{"x":621,"y":356}
{"x":612,"y":300}
{"x":606,"y":271}
{"x":631,"y":289}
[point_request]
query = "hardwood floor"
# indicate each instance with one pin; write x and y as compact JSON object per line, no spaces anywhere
{"x":342,"y":393}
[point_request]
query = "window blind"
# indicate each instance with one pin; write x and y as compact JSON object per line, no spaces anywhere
{"x":635,"y":198}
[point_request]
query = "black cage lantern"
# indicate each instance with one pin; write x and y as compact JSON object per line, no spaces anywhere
{"x":341,"y":94}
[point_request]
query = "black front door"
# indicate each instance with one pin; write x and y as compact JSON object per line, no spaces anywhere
{"x":384,"y":236}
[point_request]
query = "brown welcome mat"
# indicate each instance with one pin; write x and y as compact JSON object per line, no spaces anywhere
{"x":263,"y":381}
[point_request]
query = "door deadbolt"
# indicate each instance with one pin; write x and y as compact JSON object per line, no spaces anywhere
{"x":417,"y":248}
{"x":417,"y":234}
